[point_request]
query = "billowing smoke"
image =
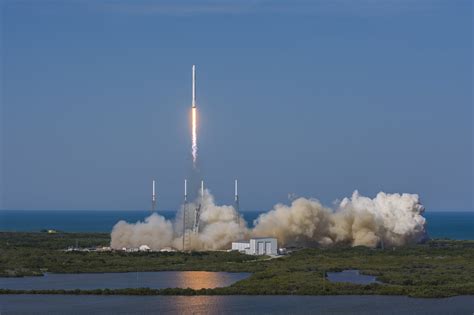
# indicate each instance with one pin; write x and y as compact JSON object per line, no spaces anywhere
{"x":393,"y":219}
{"x":156,"y":232}
{"x":218,"y":225}
{"x":388,"y":219}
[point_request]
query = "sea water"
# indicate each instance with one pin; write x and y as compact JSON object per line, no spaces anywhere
{"x":444,"y":224}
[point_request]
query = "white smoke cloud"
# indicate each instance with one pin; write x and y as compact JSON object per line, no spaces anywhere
{"x":155,"y":231}
{"x":391,"y":219}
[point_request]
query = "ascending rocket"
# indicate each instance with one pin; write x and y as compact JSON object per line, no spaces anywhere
{"x":194,"y":87}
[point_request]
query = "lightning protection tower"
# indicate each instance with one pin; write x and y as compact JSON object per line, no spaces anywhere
{"x":153,"y":196}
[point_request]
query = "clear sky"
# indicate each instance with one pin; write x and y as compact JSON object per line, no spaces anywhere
{"x":312,"y":98}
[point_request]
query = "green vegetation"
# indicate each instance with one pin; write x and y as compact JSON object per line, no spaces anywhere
{"x":27,"y":254}
{"x":438,"y":268}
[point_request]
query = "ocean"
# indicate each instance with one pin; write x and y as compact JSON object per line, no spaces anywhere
{"x":444,"y":224}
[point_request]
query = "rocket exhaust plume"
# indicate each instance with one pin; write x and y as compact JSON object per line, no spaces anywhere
{"x":194,"y":147}
{"x":389,"y":219}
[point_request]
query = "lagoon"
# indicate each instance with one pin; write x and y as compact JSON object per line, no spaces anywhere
{"x":114,"y":280}
{"x":351,"y":276}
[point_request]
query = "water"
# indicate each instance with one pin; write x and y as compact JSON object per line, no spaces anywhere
{"x":448,"y":224}
{"x":78,"y":220}
{"x":356,"y":304}
{"x":153,"y":280}
{"x":70,"y":220}
{"x":453,"y":225}
{"x":351,"y":276}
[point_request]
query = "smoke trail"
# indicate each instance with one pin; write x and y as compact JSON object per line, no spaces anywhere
{"x":391,"y":219}
{"x":194,"y":146}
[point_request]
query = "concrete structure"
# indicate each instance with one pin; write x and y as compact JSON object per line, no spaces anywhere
{"x":241,"y":246}
{"x":263,"y":246}
{"x":257,"y":246}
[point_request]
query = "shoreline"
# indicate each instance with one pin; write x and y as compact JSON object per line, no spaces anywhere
{"x":201,"y":292}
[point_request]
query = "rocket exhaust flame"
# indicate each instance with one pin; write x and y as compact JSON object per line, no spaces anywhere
{"x":194,"y":146}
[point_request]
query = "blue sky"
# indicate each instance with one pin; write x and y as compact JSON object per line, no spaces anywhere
{"x":312,"y":98}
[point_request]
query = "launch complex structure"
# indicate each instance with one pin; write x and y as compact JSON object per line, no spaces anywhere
{"x":191,"y":217}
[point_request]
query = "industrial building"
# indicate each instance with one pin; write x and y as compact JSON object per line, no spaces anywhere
{"x":257,"y":246}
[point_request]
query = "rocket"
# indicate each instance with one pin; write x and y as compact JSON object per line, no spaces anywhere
{"x":194,"y":87}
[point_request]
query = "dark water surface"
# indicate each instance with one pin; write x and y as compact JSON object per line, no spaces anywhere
{"x":71,"y":304}
{"x":112,"y":280}
{"x":350,"y":276}
{"x":449,"y":224}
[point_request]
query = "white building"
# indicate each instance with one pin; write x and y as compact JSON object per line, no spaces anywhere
{"x":257,"y":246}
{"x":241,"y":246}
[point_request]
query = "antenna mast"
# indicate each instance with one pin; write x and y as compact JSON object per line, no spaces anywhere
{"x":236,"y":201}
{"x":153,"y":196}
